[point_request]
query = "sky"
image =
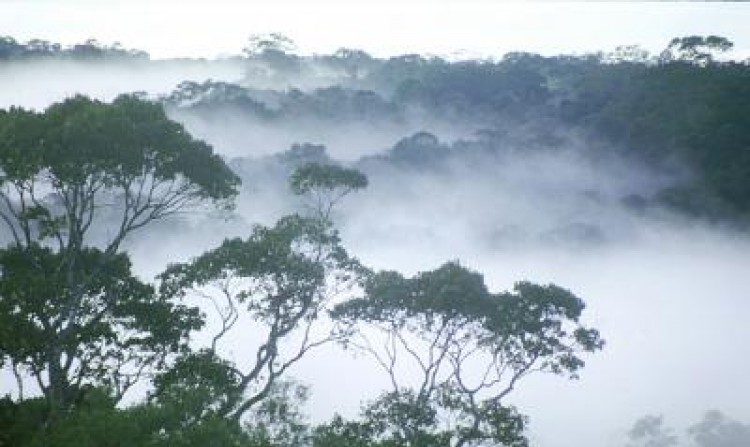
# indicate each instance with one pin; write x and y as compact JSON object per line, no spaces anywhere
{"x":449,"y":28}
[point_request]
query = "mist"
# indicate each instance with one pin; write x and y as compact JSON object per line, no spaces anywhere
{"x":535,"y":199}
{"x":665,"y":290}
{"x":23,"y":80}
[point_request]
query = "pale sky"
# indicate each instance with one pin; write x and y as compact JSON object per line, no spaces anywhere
{"x":443,"y":27}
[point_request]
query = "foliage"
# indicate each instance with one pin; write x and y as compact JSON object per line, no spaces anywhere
{"x":96,"y":422}
{"x":325,"y":185}
{"x":78,"y":178}
{"x":283,"y":276}
{"x":91,"y":49}
{"x":697,"y":49}
{"x":103,"y":332}
{"x":73,"y":313}
{"x":675,"y":113}
{"x":445,"y":324}
{"x":649,"y":431}
{"x":683,"y":109}
{"x":86,"y":152}
{"x":262,"y":43}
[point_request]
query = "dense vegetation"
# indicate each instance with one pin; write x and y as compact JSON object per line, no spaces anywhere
{"x":83,"y":330}
{"x":680,"y":111}
{"x":79,"y":330}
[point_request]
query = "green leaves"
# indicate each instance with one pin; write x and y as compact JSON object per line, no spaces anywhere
{"x":279,"y":255}
{"x":89,"y":308}
{"x":75,"y":315}
{"x":325,"y":185}
{"x":452,"y":292}
{"x":467,"y":346}
{"x":59,"y":167}
{"x":125,"y":140}
{"x":314,"y":176}
{"x":699,"y":48}
{"x":281,"y":277}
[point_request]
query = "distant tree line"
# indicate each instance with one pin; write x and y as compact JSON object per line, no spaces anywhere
{"x":685,"y":107}
{"x":91,"y":49}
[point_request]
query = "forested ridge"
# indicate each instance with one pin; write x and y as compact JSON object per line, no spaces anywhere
{"x":681,"y":109}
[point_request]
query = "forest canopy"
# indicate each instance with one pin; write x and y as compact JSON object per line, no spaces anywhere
{"x":103,"y":355}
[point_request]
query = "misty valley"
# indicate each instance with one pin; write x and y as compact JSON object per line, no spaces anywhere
{"x":275,"y":249}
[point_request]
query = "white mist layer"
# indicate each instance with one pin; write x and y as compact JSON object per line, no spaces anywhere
{"x":668,"y":296}
{"x":38,"y":83}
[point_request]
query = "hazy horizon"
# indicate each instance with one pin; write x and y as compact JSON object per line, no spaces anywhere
{"x":446,"y":28}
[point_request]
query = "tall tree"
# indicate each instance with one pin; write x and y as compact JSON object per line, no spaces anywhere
{"x":454,"y":351}
{"x":282,"y":279}
{"x":322,"y":186}
{"x":75,"y":181}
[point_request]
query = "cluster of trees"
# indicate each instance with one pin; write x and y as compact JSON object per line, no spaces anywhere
{"x":91,"y":49}
{"x":684,"y":108}
{"x":80,"y":331}
{"x":332,"y":104}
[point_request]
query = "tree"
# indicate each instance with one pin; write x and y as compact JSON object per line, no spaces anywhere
{"x":352,"y":61}
{"x":9,"y":47}
{"x":258,"y":44}
{"x":649,"y":431}
{"x":628,"y":54}
{"x":117,"y":329}
{"x":271,"y":56}
{"x":282,"y":278}
{"x":42,"y":47}
{"x":75,"y":182}
{"x":469,"y":346}
{"x":718,"y":430}
{"x":697,"y":49}
{"x":324,"y":185}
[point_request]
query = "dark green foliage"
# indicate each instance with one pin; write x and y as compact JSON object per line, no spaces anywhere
{"x":73,"y":314}
{"x":342,"y":433}
{"x":96,"y":422}
{"x":121,"y":141}
{"x":470,"y":89}
{"x":395,"y":419}
{"x":530,"y":320}
{"x":682,"y":110}
{"x":441,"y":321}
{"x":197,"y":386}
{"x":74,"y":317}
{"x":398,"y":419}
{"x":314,"y":176}
{"x":698,"y":48}
{"x":86,"y":150}
{"x":208,"y":95}
{"x":676,"y":113}
{"x":85,"y":324}
{"x":420,"y":149}
{"x":335,"y":104}
{"x":280,"y":276}
{"x":324,"y":185}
